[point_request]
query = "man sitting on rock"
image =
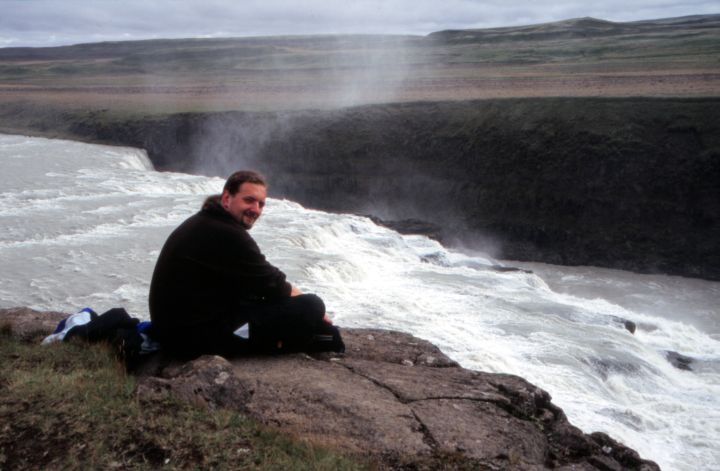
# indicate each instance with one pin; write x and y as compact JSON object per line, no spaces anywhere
{"x":214,"y":292}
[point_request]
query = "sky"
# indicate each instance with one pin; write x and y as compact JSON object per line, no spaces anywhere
{"x":62,"y":22}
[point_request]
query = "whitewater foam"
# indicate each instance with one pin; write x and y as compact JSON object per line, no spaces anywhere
{"x":83,"y":225}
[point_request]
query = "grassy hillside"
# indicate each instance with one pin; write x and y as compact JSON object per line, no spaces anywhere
{"x":582,"y":57}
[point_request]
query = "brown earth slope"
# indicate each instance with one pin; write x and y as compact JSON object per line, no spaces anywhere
{"x":583,"y":57}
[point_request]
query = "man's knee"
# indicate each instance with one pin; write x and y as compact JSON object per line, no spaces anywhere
{"x":298,"y":312}
{"x":312,"y":304}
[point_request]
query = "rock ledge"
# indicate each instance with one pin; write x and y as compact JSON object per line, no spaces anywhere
{"x":391,"y":397}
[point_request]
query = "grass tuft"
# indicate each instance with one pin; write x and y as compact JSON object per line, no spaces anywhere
{"x":70,"y":406}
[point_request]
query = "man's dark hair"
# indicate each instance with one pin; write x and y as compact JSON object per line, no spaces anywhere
{"x":234,"y":181}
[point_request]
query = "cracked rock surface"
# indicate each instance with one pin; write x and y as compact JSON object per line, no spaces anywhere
{"x":391,"y":397}
{"x":401,"y":401}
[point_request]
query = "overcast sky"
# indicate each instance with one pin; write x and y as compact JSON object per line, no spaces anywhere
{"x":60,"y":22}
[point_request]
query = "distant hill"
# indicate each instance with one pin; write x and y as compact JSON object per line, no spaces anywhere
{"x":696,"y":25}
{"x":259,"y":44}
{"x":585,"y":28}
{"x":674,"y":57}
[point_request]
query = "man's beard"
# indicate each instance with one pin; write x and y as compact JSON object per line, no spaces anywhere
{"x":248,"y":220}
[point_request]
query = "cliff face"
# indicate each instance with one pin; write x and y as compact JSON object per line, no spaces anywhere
{"x":391,"y":398}
{"x":622,"y":183}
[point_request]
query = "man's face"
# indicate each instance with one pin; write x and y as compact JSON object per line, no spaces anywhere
{"x":247,"y":204}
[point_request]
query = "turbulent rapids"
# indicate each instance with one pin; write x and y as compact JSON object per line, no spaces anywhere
{"x":82,"y":225}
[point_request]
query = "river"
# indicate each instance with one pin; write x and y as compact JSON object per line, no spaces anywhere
{"x":82,"y":225}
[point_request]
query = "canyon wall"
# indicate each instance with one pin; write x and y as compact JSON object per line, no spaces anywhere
{"x":629,"y":183}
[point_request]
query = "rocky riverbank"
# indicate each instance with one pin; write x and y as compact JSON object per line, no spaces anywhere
{"x":391,"y":397}
{"x":621,"y":183}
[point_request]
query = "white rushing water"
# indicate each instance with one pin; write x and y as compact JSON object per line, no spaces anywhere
{"x":82,"y":226}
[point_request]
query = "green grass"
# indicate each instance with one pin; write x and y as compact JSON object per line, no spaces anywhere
{"x":328,"y":72}
{"x":70,"y":406}
{"x":240,"y":57}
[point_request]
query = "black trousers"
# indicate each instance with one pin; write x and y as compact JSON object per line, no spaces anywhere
{"x":283,"y":325}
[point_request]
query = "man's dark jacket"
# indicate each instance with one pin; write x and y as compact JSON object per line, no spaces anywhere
{"x":207,"y":270}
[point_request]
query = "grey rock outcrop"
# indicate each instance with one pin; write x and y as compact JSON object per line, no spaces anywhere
{"x":391,"y":397}
{"x":207,"y":381}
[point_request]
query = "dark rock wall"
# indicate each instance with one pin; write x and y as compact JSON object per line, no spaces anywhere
{"x":624,"y":183}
